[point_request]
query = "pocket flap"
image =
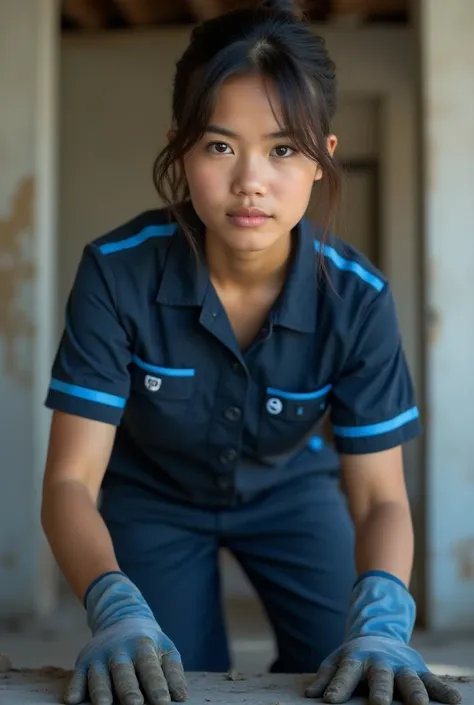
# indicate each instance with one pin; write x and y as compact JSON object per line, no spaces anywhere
{"x":162,"y":382}
{"x":296,"y":406}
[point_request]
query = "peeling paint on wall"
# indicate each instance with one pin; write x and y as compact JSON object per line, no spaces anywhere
{"x":17,"y":272}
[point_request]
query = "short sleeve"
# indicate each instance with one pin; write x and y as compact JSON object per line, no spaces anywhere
{"x":373,"y":404}
{"x":90,"y":375}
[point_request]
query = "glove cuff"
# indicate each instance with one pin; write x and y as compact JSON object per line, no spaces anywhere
{"x":380,"y":574}
{"x":96,"y":580}
{"x":111,"y":598}
{"x":381,"y":606}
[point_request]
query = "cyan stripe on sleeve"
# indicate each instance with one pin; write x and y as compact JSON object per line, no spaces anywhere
{"x":377,"y":429}
{"x":88,"y":394}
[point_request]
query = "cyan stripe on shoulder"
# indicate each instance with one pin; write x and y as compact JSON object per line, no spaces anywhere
{"x":166,"y":229}
{"x":348,"y":265}
{"x":377,"y":429}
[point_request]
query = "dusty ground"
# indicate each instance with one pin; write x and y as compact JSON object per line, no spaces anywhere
{"x":45,"y":687}
{"x":58,"y":641}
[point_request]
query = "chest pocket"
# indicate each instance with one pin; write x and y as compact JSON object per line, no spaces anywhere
{"x":289,"y":419}
{"x":162,"y":385}
{"x":158,"y":405}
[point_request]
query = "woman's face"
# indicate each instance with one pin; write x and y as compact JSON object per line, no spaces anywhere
{"x":247,"y":182}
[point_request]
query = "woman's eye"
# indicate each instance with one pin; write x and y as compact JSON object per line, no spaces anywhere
{"x":283,"y":150}
{"x":218,"y":148}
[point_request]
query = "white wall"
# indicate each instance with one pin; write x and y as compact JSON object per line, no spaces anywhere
{"x":446,"y":34}
{"x":115,"y":112}
{"x":26,"y":225}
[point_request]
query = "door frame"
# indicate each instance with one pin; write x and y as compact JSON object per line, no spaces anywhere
{"x":369,"y":165}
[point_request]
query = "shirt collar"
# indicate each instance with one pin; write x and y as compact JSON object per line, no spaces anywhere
{"x":296,"y":307}
{"x":185,"y":279}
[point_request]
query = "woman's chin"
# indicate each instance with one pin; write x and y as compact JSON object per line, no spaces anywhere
{"x":251,"y":241}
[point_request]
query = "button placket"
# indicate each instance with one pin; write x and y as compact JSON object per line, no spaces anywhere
{"x":224,"y":482}
{"x":233,"y":413}
{"x":228,"y":423}
{"x":228,"y":455}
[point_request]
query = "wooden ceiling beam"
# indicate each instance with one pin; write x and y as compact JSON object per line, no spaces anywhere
{"x":100,"y":14}
{"x":202,"y":10}
{"x":368,"y":7}
{"x":150,"y":12}
{"x":88,"y":14}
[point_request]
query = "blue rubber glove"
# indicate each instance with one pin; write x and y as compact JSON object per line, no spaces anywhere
{"x":380,"y":623}
{"x":128,"y":655}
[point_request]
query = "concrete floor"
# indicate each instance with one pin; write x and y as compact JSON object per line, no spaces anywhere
{"x":57,"y":641}
{"x":46,"y":688}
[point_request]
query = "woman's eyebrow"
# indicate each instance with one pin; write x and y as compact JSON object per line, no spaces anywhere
{"x":217,"y":130}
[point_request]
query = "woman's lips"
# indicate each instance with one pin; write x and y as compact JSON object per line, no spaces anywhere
{"x":248,"y":217}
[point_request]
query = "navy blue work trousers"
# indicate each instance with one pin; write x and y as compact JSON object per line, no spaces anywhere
{"x":295,"y":544}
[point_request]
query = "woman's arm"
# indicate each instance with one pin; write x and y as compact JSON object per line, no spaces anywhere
{"x":382,"y":612}
{"x":127,"y":643}
{"x":378,"y":502}
{"x":79,"y":451}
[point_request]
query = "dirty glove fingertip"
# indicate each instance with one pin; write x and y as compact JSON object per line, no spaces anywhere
{"x":439,"y":690}
{"x":175,"y":676}
{"x":335,"y":697}
{"x":323,"y":677}
{"x":75,"y":691}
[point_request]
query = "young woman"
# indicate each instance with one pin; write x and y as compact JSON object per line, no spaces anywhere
{"x":204,"y":345}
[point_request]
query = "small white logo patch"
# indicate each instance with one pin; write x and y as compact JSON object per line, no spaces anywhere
{"x":274,"y":406}
{"x":152,"y":383}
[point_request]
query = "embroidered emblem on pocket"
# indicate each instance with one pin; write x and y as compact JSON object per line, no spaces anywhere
{"x":274,"y":406}
{"x":152,"y":383}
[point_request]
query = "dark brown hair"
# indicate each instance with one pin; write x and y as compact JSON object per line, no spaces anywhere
{"x":271,"y":40}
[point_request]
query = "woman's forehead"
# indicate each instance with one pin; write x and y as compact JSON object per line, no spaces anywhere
{"x":248,"y":104}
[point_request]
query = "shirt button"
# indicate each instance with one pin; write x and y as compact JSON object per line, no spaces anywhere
{"x":233,"y":413}
{"x":224,"y":482}
{"x":237,"y":367}
{"x":228,"y":455}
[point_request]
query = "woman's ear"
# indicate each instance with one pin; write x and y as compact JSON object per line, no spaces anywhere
{"x":331,"y":144}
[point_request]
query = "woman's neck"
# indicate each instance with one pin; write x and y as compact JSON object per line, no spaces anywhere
{"x":230,"y":269}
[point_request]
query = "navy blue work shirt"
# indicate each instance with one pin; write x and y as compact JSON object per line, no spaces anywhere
{"x":148,"y":347}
